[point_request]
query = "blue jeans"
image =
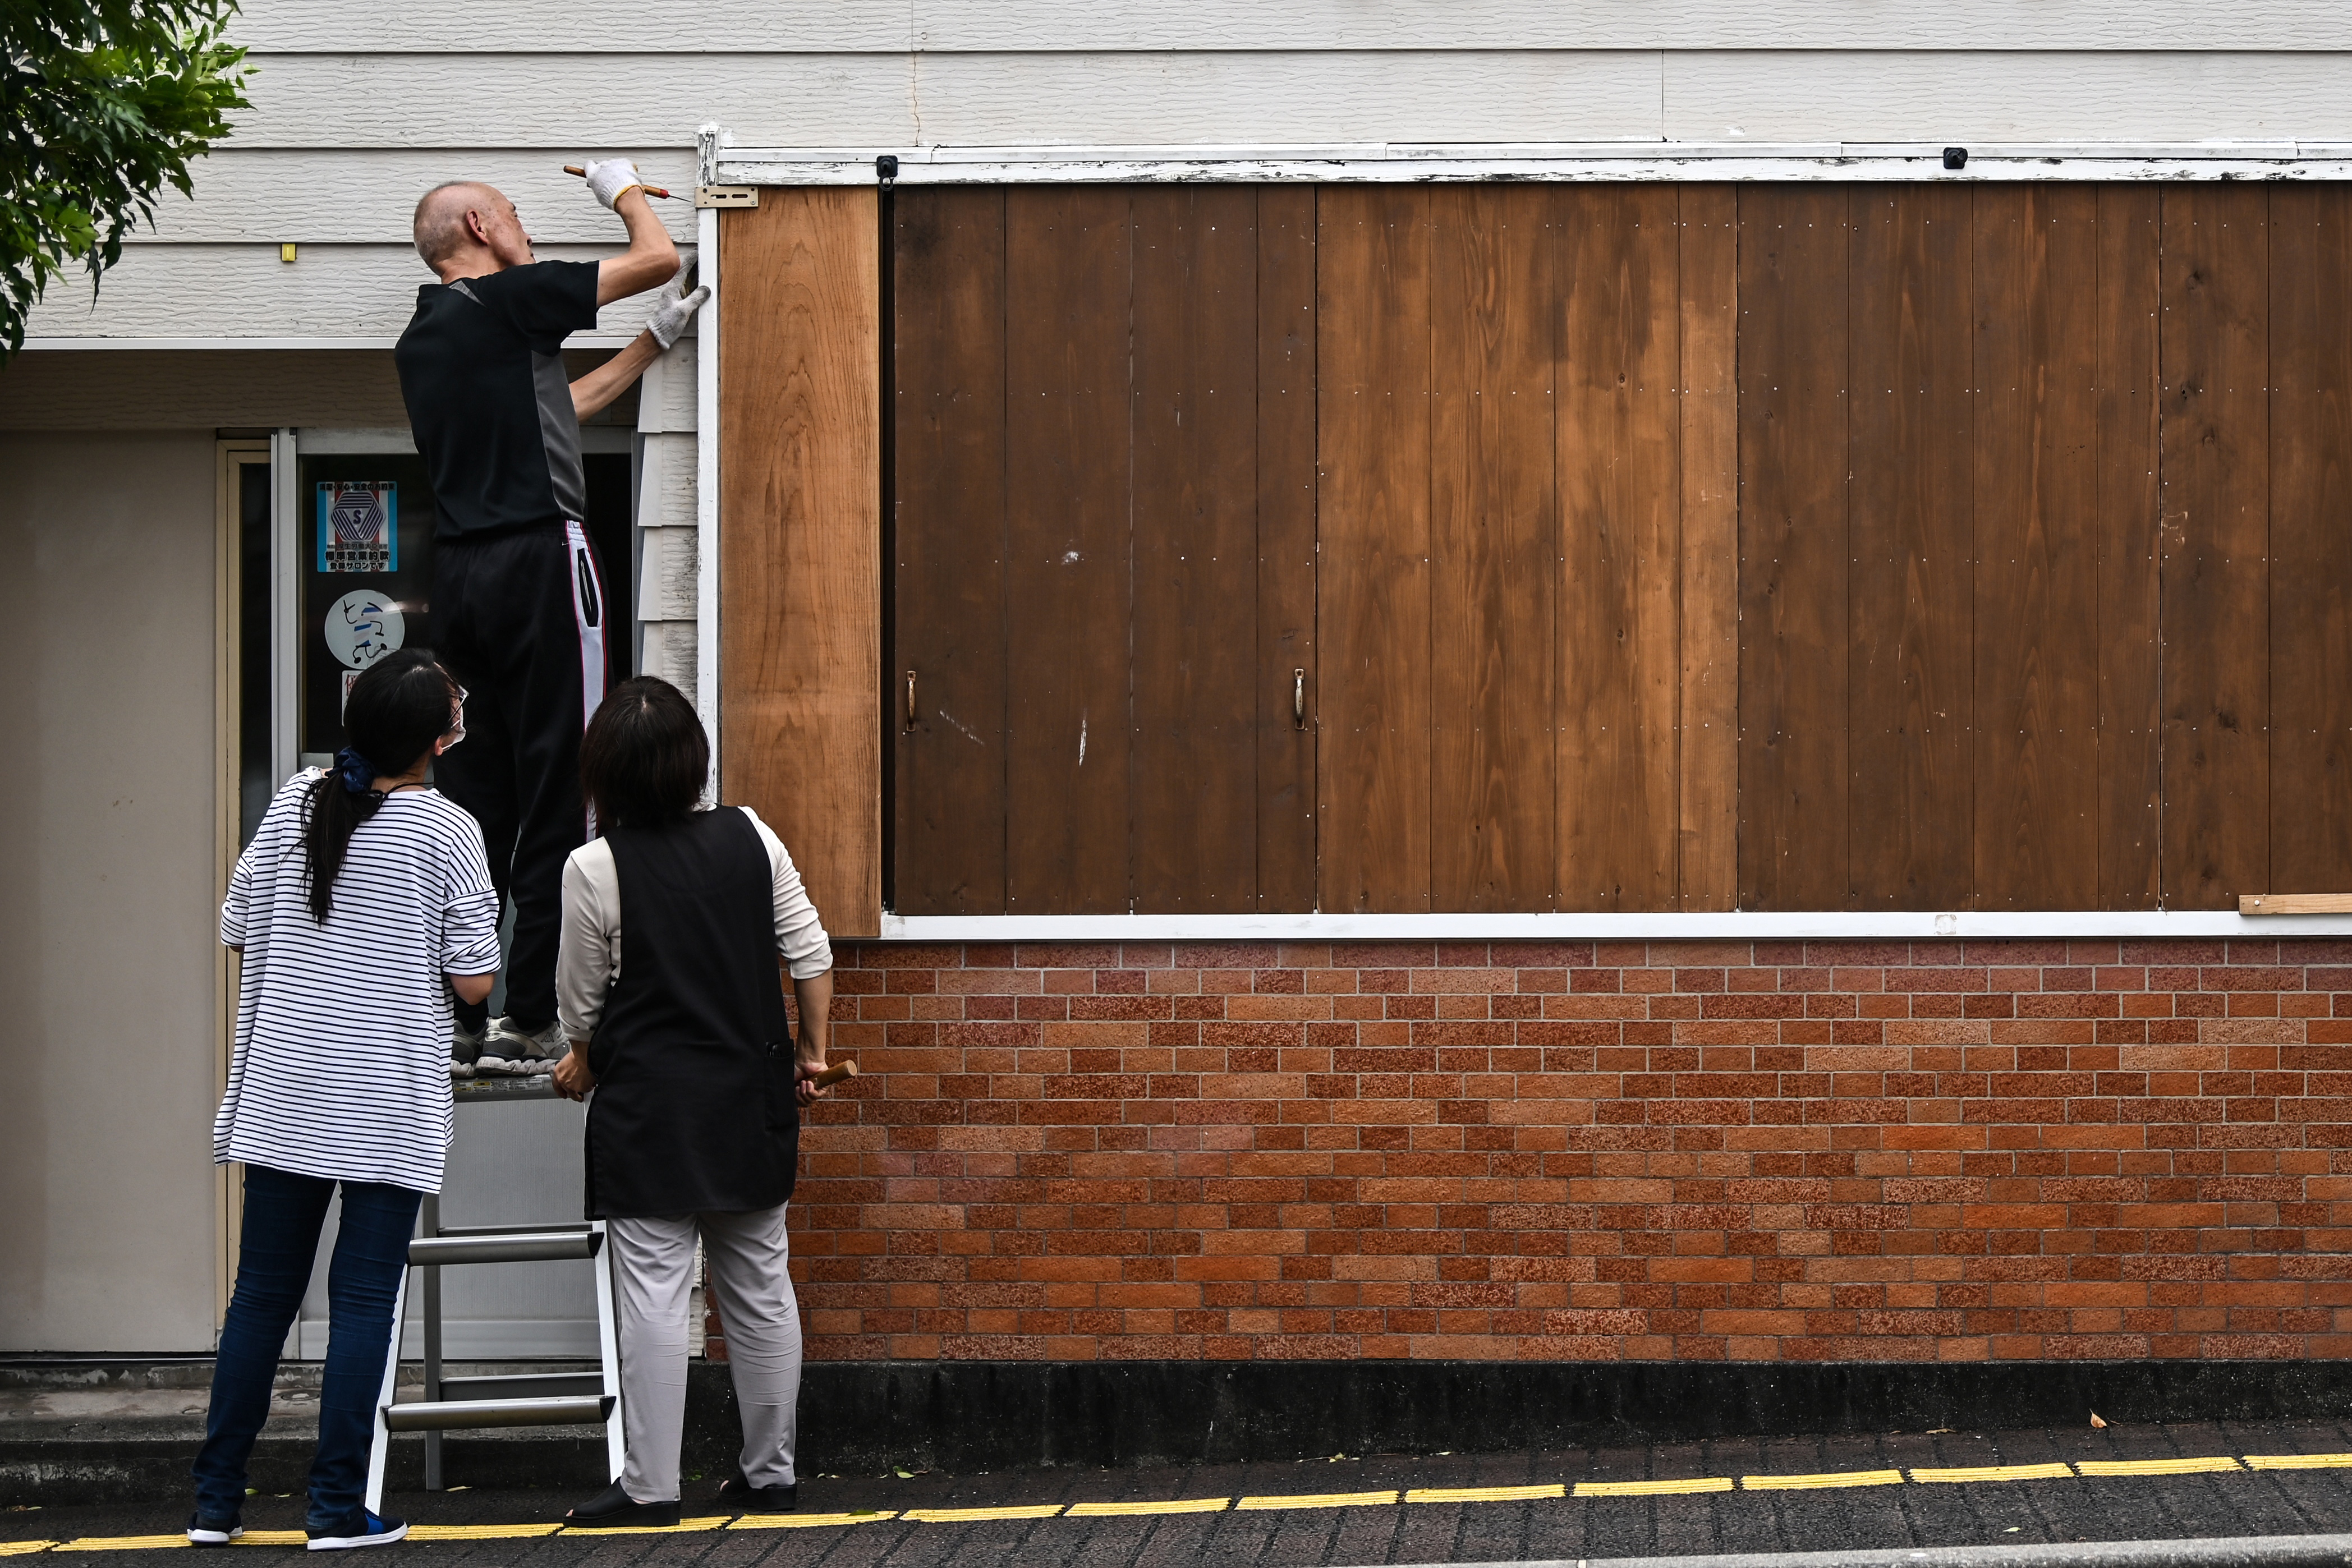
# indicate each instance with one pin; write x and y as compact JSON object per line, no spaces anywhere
{"x":283,"y":1213}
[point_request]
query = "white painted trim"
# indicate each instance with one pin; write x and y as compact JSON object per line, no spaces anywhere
{"x":583,"y":341}
{"x":705,"y":479}
{"x":285,"y":606}
{"x":396,"y":440}
{"x":1924,"y":925}
{"x":393,"y":440}
{"x":1608,"y":161}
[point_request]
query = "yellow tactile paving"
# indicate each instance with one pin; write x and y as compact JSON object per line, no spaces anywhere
{"x":2157,"y":1467}
{"x":1654,"y":1489}
{"x":809,"y":1520}
{"x":966,"y":1515}
{"x":479,"y":1532}
{"x":1828,"y":1480}
{"x":683,"y":1527}
{"x":2299,"y":1461}
{"x":1321,"y":1500}
{"x":1996,"y":1473}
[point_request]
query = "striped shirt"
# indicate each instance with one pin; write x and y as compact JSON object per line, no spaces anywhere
{"x":341,"y":1064}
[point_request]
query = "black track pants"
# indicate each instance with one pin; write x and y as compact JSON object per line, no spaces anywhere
{"x":520,"y":622}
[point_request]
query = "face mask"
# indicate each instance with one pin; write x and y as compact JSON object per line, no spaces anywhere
{"x":458,"y":726}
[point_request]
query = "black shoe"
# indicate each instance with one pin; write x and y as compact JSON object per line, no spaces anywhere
{"x":362,"y":1528}
{"x":737,"y":1493}
{"x":613,"y":1509}
{"x":203,"y":1532}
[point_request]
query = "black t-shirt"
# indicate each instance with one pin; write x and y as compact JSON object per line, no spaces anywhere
{"x":481,"y":369}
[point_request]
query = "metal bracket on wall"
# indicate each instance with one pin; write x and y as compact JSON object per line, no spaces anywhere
{"x":726,"y":195}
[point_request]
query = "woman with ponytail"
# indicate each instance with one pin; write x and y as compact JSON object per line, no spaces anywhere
{"x":362,"y":902}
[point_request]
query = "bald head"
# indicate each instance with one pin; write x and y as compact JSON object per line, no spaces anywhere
{"x":467,"y":224}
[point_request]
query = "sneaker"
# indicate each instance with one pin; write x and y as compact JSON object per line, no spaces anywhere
{"x":737,"y":1493}
{"x":466,"y":1050}
{"x":613,"y":1509}
{"x":362,"y":1528}
{"x":203,"y":1532}
{"x":507,"y":1049}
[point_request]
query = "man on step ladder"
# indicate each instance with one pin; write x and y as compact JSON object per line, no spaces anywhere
{"x":520,"y":611}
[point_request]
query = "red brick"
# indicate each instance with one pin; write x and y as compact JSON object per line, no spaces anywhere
{"x":1820,"y":1150}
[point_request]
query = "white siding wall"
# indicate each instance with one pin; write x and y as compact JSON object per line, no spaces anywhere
{"x":358,"y":108}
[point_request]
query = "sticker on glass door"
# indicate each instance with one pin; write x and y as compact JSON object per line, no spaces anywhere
{"x":362,"y":626}
{"x":358,"y":526}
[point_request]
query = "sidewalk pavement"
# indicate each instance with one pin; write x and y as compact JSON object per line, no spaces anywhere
{"x":1777,"y":1495}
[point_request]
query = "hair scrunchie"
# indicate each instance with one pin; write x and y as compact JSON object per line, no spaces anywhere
{"x":356,"y":772}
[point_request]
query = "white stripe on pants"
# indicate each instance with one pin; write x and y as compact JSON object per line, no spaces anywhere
{"x":653,"y":1277}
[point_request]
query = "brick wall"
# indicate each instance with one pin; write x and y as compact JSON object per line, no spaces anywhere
{"x":1826,"y":1150}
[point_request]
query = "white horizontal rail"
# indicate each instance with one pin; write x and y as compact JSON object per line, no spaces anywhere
{"x":1755,"y":925}
{"x":1398,"y":163}
{"x":577,"y":341}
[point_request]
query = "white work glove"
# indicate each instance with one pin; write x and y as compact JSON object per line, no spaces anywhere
{"x":673,"y":307}
{"x":612,"y":178}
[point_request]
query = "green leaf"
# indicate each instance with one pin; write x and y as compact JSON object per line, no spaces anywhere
{"x":107,"y":102}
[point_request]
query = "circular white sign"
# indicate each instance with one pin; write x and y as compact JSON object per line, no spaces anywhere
{"x":362,"y":626}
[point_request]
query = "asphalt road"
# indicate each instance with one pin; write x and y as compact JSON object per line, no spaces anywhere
{"x":1268,"y":1519}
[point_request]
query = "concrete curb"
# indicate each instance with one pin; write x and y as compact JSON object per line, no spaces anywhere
{"x":2233,"y":1551}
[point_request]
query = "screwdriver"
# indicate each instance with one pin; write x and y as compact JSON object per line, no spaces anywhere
{"x":648,"y":190}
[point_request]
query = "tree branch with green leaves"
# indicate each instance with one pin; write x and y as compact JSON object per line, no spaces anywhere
{"x":103,"y":104}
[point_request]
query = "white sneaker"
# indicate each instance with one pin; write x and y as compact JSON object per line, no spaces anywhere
{"x":507,"y":1048}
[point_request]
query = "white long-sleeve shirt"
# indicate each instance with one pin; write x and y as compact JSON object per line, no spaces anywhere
{"x":588,"y":951}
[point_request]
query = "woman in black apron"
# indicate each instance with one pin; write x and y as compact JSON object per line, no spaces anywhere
{"x":693,"y":1125}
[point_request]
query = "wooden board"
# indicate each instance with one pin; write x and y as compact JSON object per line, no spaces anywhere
{"x":2125,"y":524}
{"x":949,"y":621}
{"x":1067,"y":567}
{"x":2311,"y":539}
{"x":2215,"y":612}
{"x":1374,"y":748}
{"x":1911,"y":704}
{"x":1794,"y":546}
{"x":2035,"y":483}
{"x":800,"y":549}
{"x":2295,"y":904}
{"x":1945,"y":609}
{"x":1287,"y":668}
{"x":1192,"y":505}
{"x":1493,"y":546}
{"x":1620,"y":546}
{"x":1707,"y":760}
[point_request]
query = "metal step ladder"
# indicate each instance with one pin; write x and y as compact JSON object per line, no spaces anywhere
{"x":541,"y":1399}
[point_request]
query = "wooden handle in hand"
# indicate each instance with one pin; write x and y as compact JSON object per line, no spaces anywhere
{"x":648,"y":190}
{"x":835,"y":1075}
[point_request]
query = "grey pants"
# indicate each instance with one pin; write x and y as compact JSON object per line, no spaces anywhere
{"x":653,"y":1267}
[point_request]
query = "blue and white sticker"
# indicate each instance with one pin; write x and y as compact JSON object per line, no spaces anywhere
{"x":362,"y":626}
{"x":358,"y":526}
